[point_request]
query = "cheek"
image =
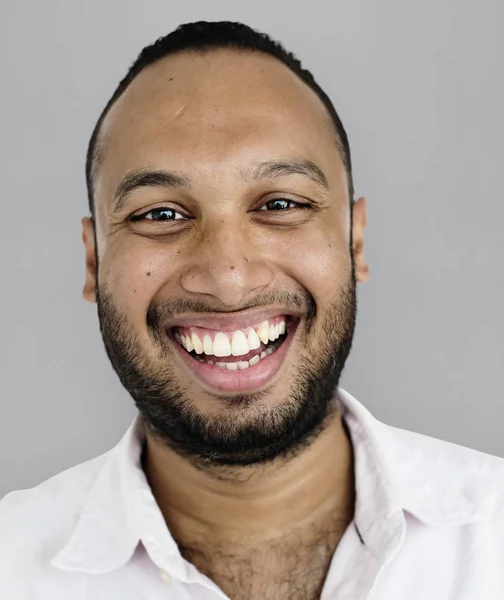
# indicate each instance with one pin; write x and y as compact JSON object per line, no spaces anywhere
{"x":133,"y":274}
{"x":320,"y":262}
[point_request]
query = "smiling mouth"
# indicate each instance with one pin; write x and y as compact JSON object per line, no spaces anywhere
{"x":236,"y":350}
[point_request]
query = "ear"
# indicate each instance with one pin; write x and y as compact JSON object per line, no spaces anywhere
{"x":89,"y":289}
{"x":359,"y":224}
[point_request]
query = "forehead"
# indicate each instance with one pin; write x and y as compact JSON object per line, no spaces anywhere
{"x":214,"y":112}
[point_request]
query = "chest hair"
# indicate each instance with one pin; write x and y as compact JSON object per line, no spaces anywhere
{"x":293,"y":568}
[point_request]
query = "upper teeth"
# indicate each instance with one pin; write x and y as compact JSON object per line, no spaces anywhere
{"x":232,"y":343}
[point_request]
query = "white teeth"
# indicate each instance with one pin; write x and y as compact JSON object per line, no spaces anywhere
{"x":221,"y":345}
{"x":224,"y":365}
{"x":197,"y":344}
{"x":208,"y":345}
{"x":187,"y":343}
{"x":253,"y":340}
{"x":241,"y":365}
{"x":263,"y":332}
{"x":239,"y":344}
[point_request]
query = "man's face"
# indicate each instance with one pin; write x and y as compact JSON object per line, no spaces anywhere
{"x":227,"y":269}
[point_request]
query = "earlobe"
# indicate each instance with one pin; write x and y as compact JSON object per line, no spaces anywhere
{"x":359,"y":225}
{"x":88,"y":238}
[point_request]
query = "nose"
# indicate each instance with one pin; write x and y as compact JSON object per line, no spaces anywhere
{"x":227,"y":265}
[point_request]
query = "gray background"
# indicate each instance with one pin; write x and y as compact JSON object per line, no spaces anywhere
{"x":419,"y":87}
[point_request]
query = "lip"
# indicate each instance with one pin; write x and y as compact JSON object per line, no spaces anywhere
{"x":248,"y":380}
{"x":231,"y":321}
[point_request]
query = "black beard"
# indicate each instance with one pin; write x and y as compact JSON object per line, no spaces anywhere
{"x":248,"y":431}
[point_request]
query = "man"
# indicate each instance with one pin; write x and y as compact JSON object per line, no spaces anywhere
{"x":223,"y":250}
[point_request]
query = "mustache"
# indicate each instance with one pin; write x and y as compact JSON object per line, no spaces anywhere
{"x":165,"y":310}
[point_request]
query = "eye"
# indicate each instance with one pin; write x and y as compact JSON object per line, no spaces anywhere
{"x":281,"y":204}
{"x":159,"y":214}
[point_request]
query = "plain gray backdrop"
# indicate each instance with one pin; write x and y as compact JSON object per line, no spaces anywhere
{"x":419,"y":87}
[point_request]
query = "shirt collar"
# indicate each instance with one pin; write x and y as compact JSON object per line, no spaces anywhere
{"x":120,"y":511}
{"x":391,"y":476}
{"x":397,"y":471}
{"x":106,"y":532}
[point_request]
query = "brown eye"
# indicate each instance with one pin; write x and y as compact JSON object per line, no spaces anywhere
{"x":279,"y":204}
{"x":159,"y":214}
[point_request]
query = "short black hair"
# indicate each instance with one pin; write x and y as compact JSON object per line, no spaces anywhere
{"x":205,"y":36}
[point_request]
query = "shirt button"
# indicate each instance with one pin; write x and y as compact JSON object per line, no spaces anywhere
{"x":165,"y":576}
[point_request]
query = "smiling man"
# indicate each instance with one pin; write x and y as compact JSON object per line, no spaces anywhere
{"x":223,"y":251}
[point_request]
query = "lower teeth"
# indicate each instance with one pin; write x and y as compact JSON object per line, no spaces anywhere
{"x":240,"y":365}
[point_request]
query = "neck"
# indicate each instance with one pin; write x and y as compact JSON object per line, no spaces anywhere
{"x":256,"y":502}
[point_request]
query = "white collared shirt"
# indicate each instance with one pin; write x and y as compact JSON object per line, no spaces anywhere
{"x":428,"y":525}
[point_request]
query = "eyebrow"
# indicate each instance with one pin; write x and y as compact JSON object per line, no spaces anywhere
{"x":272,"y":169}
{"x":175,"y":179}
{"x":138,"y":179}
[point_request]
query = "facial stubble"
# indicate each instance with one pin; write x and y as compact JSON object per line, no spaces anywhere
{"x":249,"y":429}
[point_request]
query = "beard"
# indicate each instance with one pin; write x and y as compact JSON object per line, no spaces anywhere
{"x":249,"y":429}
